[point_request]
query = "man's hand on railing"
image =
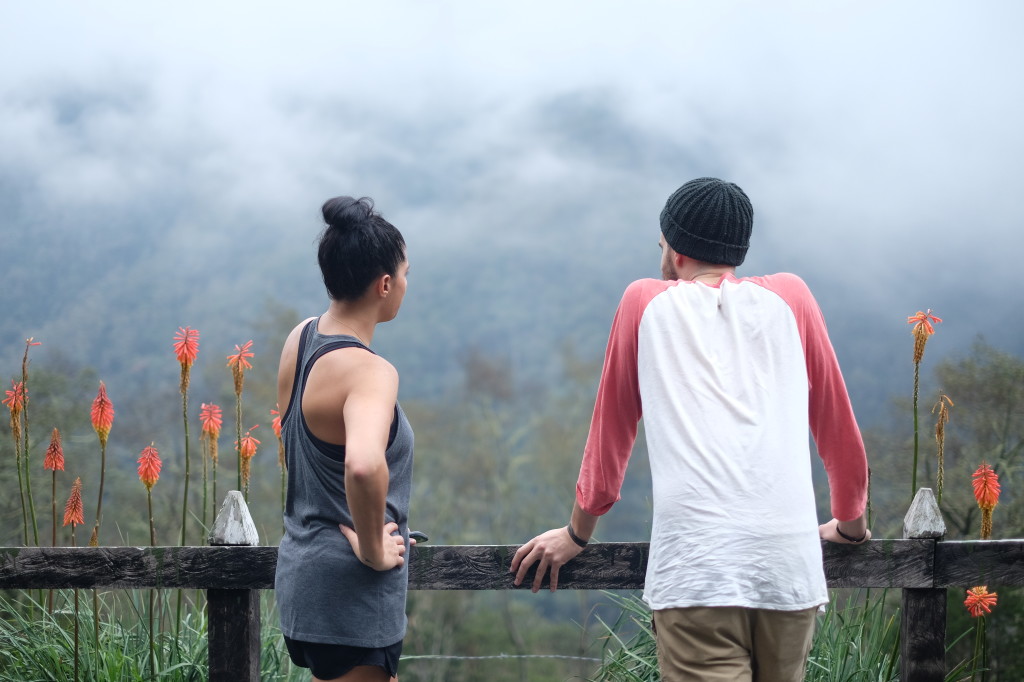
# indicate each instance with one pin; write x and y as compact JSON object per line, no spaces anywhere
{"x":549,"y":551}
{"x":853,"y":532}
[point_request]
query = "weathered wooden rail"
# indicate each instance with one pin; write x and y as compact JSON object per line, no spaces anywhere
{"x":232,"y":572}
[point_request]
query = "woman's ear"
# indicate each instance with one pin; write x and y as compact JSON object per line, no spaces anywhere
{"x":384,"y":285}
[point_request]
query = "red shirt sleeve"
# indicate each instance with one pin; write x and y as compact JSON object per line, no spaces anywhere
{"x":617,"y":409}
{"x":832,"y":421}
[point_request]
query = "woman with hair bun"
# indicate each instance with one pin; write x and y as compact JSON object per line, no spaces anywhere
{"x":341,"y":572}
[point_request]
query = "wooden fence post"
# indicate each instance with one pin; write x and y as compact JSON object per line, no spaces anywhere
{"x":923,"y":616}
{"x":233,"y":616}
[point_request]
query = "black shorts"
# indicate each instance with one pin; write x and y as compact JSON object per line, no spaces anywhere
{"x":328,"y":661}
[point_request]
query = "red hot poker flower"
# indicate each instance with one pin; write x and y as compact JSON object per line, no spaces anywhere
{"x":923,"y":321}
{"x":210,"y":415}
{"x":239,"y":363}
{"x":921,"y":330}
{"x":986,"y":487}
{"x":986,"y":492}
{"x":980,"y":601}
{"x":149,"y":466}
{"x":246,"y":451}
{"x":102,"y":414}
{"x":15,"y":399}
{"x":248,"y":446}
{"x":241,"y":353}
{"x":276,"y":423}
{"x":73,"y":512}
{"x":186,"y":345}
{"x":54,"y":459}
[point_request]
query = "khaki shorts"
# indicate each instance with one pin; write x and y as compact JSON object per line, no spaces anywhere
{"x":733,"y":644}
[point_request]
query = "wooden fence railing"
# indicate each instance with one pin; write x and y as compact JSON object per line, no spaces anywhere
{"x":232,"y":571}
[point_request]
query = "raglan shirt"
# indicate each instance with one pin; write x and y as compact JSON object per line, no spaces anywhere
{"x":728,"y":378}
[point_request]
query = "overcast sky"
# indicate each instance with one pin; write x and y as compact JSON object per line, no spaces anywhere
{"x":881,"y":142}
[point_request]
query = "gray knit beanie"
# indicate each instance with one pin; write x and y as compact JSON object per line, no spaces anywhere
{"x":710,"y":220}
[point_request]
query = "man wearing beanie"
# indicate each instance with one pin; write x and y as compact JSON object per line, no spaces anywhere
{"x":729,"y":373}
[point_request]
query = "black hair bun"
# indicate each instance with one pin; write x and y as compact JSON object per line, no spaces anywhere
{"x":343,"y":213}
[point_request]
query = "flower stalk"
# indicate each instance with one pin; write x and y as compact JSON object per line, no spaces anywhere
{"x":186,"y":349}
{"x":246,"y":450}
{"x":942,"y":407}
{"x":29,"y":342}
{"x":15,"y":402}
{"x":211,"y":420}
{"x":74,"y":514}
{"x":979,"y":602}
{"x":102,"y":416}
{"x":986,"y":493}
{"x":276,"y":425}
{"x":921,"y":330}
{"x":54,"y":462}
{"x":149,"y":474}
{"x":238,"y":362}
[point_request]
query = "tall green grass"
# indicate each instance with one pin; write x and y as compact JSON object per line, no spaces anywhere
{"x":857,"y":639}
{"x":37,"y":646}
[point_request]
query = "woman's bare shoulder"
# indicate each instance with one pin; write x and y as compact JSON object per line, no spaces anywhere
{"x":294,"y":334}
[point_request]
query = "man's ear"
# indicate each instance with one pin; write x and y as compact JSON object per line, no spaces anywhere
{"x":678,"y":260}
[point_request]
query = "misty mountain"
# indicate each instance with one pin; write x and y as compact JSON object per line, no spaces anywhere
{"x":521,"y":242}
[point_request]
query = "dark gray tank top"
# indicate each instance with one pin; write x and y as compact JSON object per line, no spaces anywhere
{"x":324,"y":593}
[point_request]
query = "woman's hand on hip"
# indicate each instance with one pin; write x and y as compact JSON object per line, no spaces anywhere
{"x":391,"y":551}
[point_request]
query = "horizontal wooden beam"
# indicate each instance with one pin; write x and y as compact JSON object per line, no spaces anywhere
{"x":979,"y":562}
{"x":880,"y":563}
{"x":243,"y":568}
{"x":601,"y":566}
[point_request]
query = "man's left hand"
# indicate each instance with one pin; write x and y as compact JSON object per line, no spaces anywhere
{"x":550,"y":550}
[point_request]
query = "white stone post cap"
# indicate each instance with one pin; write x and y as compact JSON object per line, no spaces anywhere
{"x":924,"y":518}
{"x":234,"y":525}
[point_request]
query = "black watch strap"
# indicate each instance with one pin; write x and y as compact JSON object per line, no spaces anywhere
{"x":849,"y":538}
{"x":576,"y":538}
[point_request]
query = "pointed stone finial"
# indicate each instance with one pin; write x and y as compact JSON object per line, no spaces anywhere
{"x":233,"y":525}
{"x":924,"y":519}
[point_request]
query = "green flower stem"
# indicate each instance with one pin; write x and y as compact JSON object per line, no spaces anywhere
{"x":21,"y":488}
{"x":184,"y":502}
{"x":913,"y":477}
{"x":238,"y":441}
{"x":28,"y":475}
{"x":152,"y":593}
{"x":205,"y":447}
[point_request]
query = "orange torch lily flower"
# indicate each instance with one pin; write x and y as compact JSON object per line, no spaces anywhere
{"x":246,"y":451}
{"x":211,"y":417}
{"x":248,"y":445}
{"x":102,"y":414}
{"x":980,"y":601}
{"x":54,"y":459}
{"x":276,"y":425}
{"x":149,"y":466}
{"x":73,"y":511}
{"x":238,"y":362}
{"x":921,"y":330}
{"x":923,"y":321}
{"x":986,"y":487}
{"x":986,"y":492}
{"x":186,"y":345}
{"x":15,"y":402}
{"x":15,"y":399}
{"x":186,"y":348}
